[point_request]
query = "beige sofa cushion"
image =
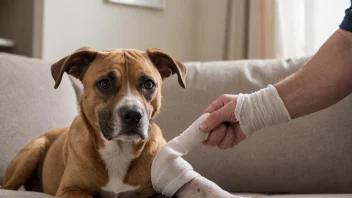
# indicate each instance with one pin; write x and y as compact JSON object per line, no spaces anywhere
{"x":309,"y":155}
{"x":29,"y":104}
{"x":22,"y":194}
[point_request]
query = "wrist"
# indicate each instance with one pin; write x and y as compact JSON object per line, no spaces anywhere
{"x":260,"y":109}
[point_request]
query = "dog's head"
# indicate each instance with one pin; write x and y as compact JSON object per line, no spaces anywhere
{"x":121,"y":88}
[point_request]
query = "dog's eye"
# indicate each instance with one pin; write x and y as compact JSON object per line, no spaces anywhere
{"x":104,"y":84}
{"x":149,"y":84}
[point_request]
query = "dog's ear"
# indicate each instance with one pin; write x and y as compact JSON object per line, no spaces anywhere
{"x":167,"y":66}
{"x":75,"y":64}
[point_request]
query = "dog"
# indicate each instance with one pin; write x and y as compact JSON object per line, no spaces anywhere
{"x":112,"y":142}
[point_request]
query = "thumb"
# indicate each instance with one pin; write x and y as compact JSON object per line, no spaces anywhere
{"x":214,"y":120}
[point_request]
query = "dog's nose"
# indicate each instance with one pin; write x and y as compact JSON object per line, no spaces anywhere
{"x":131,"y":116}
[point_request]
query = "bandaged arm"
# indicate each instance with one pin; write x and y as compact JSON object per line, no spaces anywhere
{"x":260,"y":109}
{"x":321,"y":82}
{"x":172,"y":175}
{"x":169,"y":170}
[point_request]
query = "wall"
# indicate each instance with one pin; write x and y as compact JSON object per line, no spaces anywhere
{"x":16,"y":19}
{"x":190,"y":30}
{"x":38,"y":28}
{"x":69,"y":25}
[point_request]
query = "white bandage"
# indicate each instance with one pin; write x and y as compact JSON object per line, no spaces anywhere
{"x":260,"y":109}
{"x":169,"y":170}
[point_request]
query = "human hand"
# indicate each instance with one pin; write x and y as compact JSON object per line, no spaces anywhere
{"x":225,"y":131}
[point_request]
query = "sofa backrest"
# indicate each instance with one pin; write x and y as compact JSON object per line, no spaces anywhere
{"x":312,"y":154}
{"x":29,"y":104}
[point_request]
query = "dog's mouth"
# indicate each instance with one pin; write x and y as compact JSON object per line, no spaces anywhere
{"x":133,"y":132}
{"x":124,"y":134}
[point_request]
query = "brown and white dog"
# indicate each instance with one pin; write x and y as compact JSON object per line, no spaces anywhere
{"x":111,"y":144}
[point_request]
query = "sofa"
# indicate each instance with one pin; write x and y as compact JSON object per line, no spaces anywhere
{"x":309,"y":157}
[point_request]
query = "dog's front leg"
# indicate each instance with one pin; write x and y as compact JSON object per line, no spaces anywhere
{"x":201,"y":187}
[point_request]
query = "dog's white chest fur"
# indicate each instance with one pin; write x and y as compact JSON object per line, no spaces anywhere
{"x":117,"y":158}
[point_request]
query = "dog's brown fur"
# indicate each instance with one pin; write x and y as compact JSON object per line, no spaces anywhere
{"x":65,"y":162}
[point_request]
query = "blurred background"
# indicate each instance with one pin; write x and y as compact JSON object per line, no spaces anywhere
{"x":190,"y":30}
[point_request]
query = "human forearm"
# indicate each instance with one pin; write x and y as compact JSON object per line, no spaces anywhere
{"x":323,"y":81}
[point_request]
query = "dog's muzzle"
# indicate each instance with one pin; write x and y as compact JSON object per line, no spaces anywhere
{"x":132,"y":122}
{"x":126,"y":123}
